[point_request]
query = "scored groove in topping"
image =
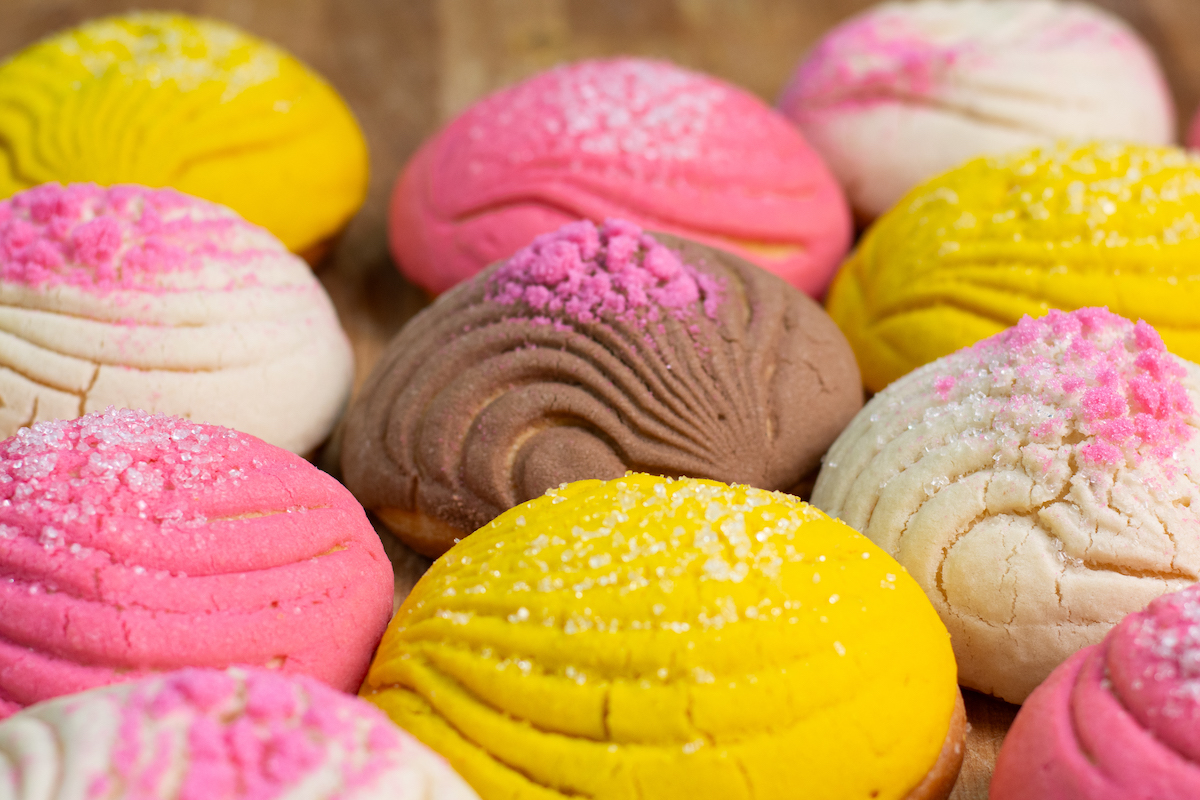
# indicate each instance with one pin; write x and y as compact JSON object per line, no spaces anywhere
{"x":588,"y":354}
{"x":619,"y":639}
{"x":132,"y":542}
{"x":1063,"y":450}
{"x":164,"y":99}
{"x":152,"y":299}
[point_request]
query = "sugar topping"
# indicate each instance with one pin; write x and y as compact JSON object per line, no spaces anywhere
{"x":115,"y":463}
{"x":615,"y":271}
{"x":250,"y":734}
{"x":651,"y":110}
{"x":1166,"y":638}
{"x":108,"y":239}
{"x":651,"y":542}
{"x":160,"y":48}
{"x":1089,"y":374}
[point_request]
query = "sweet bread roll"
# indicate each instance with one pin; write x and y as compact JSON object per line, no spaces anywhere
{"x":674,"y":639}
{"x":165,"y":99}
{"x":132,"y":544}
{"x":148,"y":298}
{"x":1039,"y":486}
{"x":592,"y":352}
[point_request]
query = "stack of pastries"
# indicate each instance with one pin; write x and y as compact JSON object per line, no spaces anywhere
{"x":650,"y":347}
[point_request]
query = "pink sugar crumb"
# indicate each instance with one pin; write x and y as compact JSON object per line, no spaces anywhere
{"x":1111,"y":379}
{"x":121,"y":463}
{"x":615,"y":271}
{"x":108,"y":239}
{"x":254,"y":735}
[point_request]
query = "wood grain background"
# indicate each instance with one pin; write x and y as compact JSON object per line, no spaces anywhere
{"x":407,"y":66}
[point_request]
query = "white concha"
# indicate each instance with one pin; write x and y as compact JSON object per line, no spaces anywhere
{"x":228,"y":328}
{"x":979,"y":473}
{"x":906,"y":91}
{"x":169,"y":737}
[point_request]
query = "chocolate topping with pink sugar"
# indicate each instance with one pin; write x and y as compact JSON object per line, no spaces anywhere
{"x":593,"y":351}
{"x":132,"y":542}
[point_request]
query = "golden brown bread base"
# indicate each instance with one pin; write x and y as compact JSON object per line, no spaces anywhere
{"x":939,"y":781}
{"x":424,"y":534}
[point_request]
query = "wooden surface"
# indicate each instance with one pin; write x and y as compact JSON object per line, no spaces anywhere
{"x":407,"y":66}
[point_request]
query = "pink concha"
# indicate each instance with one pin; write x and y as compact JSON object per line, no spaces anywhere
{"x":200,"y":734}
{"x":132,"y":543}
{"x":666,"y":148}
{"x":1119,"y":721}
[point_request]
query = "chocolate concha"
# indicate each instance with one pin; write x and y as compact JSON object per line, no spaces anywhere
{"x":501,"y":389}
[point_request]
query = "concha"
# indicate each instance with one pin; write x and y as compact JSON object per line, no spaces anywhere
{"x":1039,"y":486}
{"x":590,"y":353}
{"x":165,"y":99}
{"x":148,"y":298}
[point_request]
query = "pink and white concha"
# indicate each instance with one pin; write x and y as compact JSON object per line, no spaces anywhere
{"x":152,"y":299}
{"x":199,"y":734}
{"x":669,"y":149}
{"x":906,"y":91}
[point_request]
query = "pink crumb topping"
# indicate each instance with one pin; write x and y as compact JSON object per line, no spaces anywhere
{"x":108,"y":239}
{"x":872,"y":58}
{"x":246,"y":733}
{"x":898,"y":53}
{"x":1089,"y":370}
{"x":586,"y":273}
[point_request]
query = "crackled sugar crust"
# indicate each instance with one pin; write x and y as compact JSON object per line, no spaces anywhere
{"x":1039,"y":486}
{"x":1119,"y":719}
{"x":148,"y":298}
{"x":651,"y":638}
{"x":906,"y":91}
{"x":668,"y":148}
{"x":593,"y":351}
{"x":132,"y":543}
{"x":200,"y":734}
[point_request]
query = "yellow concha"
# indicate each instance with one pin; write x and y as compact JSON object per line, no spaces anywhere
{"x":644,"y":637}
{"x":967,"y":254}
{"x":164,"y":99}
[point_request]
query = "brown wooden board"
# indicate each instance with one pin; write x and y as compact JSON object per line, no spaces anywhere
{"x":407,"y":66}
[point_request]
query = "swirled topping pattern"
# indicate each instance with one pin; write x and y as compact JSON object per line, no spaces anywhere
{"x":591,"y":352}
{"x":197,"y":734}
{"x":1064,"y":449}
{"x":132,"y":543}
{"x":669,"y":148}
{"x":164,"y":99}
{"x":671,"y":638}
{"x":149,"y":298}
